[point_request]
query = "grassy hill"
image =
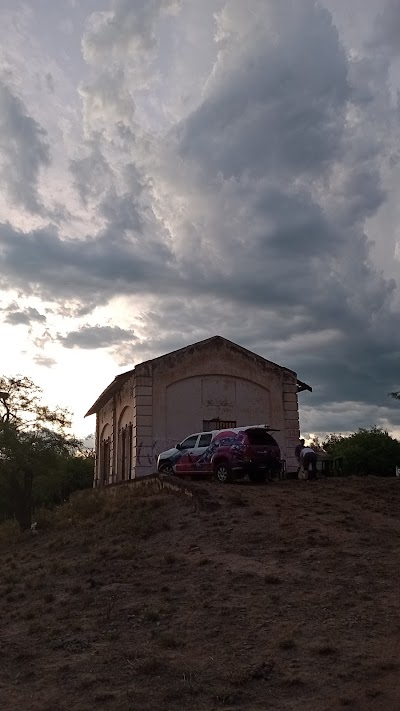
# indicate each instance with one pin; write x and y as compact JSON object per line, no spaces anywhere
{"x":277,"y":597}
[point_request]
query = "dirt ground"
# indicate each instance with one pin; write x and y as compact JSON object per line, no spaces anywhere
{"x":284,"y":597}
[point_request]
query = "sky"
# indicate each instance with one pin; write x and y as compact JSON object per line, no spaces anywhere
{"x":174,"y":169}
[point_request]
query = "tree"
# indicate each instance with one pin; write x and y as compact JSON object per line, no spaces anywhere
{"x":21,"y":406}
{"x":34,"y":446}
{"x":367,"y":451}
{"x":330,"y":443}
{"x":72,"y":472}
{"x":315,"y":444}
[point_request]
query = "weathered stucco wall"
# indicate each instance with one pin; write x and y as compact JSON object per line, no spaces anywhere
{"x":190,"y":401}
{"x":168,"y":398}
{"x":116,"y":414}
{"x":200,"y":383}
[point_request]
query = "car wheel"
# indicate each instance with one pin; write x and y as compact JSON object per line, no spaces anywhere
{"x":166,"y":468}
{"x":257,"y":477}
{"x":222,"y":472}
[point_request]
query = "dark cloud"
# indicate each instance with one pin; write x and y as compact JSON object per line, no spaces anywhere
{"x":272,"y":107}
{"x":24,"y":151}
{"x":175,"y":322}
{"x":92,"y":337}
{"x":286,"y":180}
{"x":91,"y":270}
{"x":72,"y":309}
{"x":267,"y":235}
{"x":346,"y":416}
{"x":249,"y":217}
{"x":22,"y":317}
{"x":346,"y":363}
{"x":386,"y":33}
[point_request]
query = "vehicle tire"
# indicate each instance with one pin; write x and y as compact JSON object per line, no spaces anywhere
{"x":166,"y":468}
{"x":257,"y":477}
{"x":222,"y":472}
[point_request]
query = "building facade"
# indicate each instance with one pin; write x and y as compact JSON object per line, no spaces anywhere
{"x":208,"y":385}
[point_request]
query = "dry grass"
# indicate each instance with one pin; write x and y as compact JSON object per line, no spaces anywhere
{"x":9,"y":533}
{"x":140,"y":599}
{"x":287,"y":644}
{"x":272,"y":579}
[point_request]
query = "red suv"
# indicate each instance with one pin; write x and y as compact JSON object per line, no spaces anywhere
{"x":232,"y":455}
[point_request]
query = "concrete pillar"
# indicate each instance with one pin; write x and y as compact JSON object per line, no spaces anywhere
{"x":143,"y":461}
{"x":291,"y":419}
{"x":96,"y":472}
{"x":114,"y":443}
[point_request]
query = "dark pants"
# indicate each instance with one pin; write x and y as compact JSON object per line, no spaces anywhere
{"x":310,"y":459}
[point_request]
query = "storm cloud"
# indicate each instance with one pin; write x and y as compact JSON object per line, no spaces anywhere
{"x":246,"y":209}
{"x":22,"y":317}
{"x":92,"y":337}
{"x":386,"y":32}
{"x":93,"y":270}
{"x":24,"y":150}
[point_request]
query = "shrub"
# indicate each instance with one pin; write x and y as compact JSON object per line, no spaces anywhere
{"x":366,"y":452}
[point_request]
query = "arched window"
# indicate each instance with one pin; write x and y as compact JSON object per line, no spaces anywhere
{"x":125,"y":433}
{"x":105,"y":455}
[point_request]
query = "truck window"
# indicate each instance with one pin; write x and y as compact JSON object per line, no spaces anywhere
{"x":205,"y":440}
{"x":189,"y":442}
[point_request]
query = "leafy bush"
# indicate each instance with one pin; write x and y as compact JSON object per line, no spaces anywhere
{"x":367,"y":451}
{"x":54,"y":485}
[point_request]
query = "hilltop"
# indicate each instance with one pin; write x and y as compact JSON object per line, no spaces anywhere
{"x":277,"y":597}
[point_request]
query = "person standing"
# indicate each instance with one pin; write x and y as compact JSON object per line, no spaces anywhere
{"x":309,"y":458}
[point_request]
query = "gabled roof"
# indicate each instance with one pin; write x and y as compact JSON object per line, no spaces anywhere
{"x":121,"y":379}
{"x":110,"y":390}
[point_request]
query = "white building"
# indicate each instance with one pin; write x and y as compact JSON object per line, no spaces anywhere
{"x":208,"y":385}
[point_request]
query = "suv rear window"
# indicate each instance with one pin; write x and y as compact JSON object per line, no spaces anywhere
{"x":260,"y":436}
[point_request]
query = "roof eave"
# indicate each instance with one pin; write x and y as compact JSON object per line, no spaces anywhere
{"x":301,"y":387}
